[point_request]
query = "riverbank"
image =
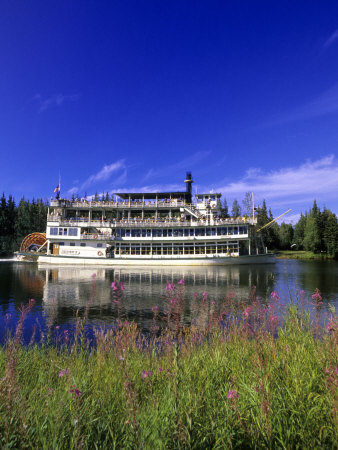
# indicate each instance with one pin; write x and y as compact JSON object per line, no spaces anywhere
{"x":299,"y":254}
{"x":240,"y":377}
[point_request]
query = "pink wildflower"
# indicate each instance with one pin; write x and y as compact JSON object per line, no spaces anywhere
{"x":155,"y":308}
{"x":122,"y":286}
{"x":75,"y":391}
{"x":317,"y":296}
{"x":114,"y":286}
{"x":145,"y":374}
{"x":170,"y":286}
{"x":232,"y":394}
{"x":94,"y":275}
{"x":247,"y":312}
{"x":274,"y":295}
{"x":181,"y":281}
{"x":213,"y":302}
{"x":204,"y":296}
{"x":63,"y":372}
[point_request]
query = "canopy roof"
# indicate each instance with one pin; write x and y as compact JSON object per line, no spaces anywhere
{"x":151,"y":195}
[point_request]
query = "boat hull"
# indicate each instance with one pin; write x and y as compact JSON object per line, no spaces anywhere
{"x":268,"y":258}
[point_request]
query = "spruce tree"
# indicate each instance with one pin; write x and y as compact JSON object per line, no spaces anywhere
{"x":236,"y":209}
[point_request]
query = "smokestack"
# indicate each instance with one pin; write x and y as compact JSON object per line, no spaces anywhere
{"x":189,"y":182}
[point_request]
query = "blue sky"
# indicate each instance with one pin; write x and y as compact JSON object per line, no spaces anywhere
{"x":129,"y":95}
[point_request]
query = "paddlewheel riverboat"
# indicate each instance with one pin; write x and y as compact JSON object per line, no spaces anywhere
{"x":159,"y":228}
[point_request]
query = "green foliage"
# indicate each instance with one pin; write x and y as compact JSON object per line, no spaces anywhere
{"x":236,"y":209}
{"x":217,"y":390}
{"x":285,"y":236}
{"x":18,"y":222}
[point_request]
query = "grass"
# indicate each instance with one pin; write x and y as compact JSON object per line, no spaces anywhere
{"x":247,"y":375}
{"x":300,"y":254}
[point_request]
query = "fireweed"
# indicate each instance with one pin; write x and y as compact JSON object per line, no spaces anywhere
{"x":245,"y":373}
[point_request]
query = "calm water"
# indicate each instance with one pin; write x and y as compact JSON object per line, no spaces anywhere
{"x":62,"y":291}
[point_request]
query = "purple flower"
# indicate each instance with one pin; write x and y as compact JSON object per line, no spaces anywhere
{"x":204,"y":296}
{"x":94,"y":275}
{"x":232,"y":394}
{"x":170,"y":286}
{"x":75,"y":391}
{"x":145,"y":374}
{"x":247,"y":312}
{"x":113,"y":286}
{"x":122,"y":286}
{"x":155,"y":308}
{"x":160,"y":369}
{"x":173,"y":301}
{"x":63,"y":372}
{"x":213,"y":302}
{"x":317,"y":296}
{"x":274,"y":295}
{"x":181,"y":281}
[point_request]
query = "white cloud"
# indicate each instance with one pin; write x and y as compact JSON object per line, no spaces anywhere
{"x":331,"y":39}
{"x":184,"y":164}
{"x":54,"y":100}
{"x":104,"y":173}
{"x":323,"y":104}
{"x":292,"y":187}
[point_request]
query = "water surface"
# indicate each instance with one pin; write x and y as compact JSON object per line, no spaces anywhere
{"x":62,"y":292}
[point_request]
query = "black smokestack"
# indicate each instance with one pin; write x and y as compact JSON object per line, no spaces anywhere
{"x":189,"y":182}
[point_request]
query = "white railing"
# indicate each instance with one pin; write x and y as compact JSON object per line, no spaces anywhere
{"x":146,"y":223}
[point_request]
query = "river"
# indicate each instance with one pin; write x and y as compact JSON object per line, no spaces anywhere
{"x":62,"y":292}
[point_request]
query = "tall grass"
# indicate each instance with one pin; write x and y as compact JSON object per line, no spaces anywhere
{"x":243,"y":375}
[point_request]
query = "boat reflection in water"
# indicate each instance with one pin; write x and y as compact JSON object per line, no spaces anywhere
{"x":69,"y":289}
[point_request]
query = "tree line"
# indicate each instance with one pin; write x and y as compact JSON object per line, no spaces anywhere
{"x":17,"y":221}
{"x":316,"y":230}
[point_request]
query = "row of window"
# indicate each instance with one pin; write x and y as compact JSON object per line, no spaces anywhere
{"x":177,"y":249}
{"x":54,"y":231}
{"x":183,"y":232}
{"x":77,"y":244}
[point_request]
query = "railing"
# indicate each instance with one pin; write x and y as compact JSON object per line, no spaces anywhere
{"x":120,"y":205}
{"x":146,"y":223}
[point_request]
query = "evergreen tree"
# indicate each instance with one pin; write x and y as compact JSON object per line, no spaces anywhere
{"x":312,"y":241}
{"x":247,"y":204}
{"x":236,"y":209}
{"x":299,"y":231}
{"x":285,"y":236}
{"x":225,"y":209}
{"x":330,"y":234}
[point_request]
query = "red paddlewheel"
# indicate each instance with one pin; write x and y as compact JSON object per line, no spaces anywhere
{"x":32,"y":242}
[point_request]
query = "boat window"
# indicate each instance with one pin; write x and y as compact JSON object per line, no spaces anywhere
{"x":53,"y":231}
{"x":186,"y":232}
{"x":230,"y":230}
{"x":235,"y":230}
{"x":243,"y":230}
{"x":170,"y":233}
{"x":83,"y":244}
{"x":208,"y":231}
{"x":98,"y":245}
{"x":61,"y":243}
{"x":127,"y":233}
{"x":72,"y":231}
{"x":213,"y":231}
{"x":165,"y":233}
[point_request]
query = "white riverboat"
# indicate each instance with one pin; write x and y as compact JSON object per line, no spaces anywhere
{"x":159,"y":228}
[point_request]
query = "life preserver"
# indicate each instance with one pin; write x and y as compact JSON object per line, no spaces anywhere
{"x":213,"y":206}
{"x":99,"y":253}
{"x":95,"y":236}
